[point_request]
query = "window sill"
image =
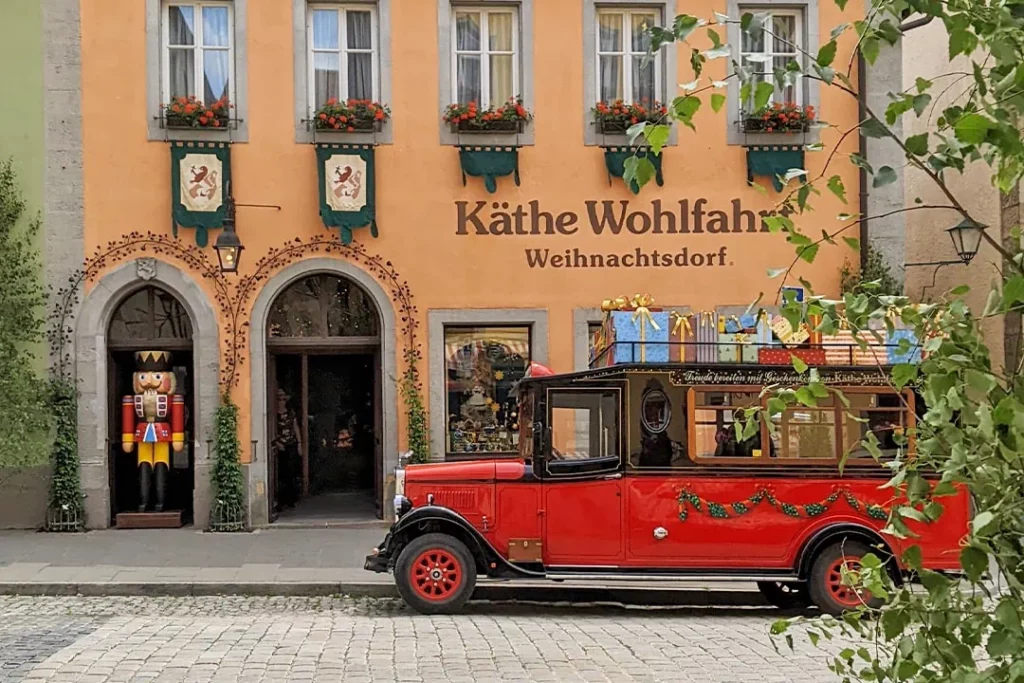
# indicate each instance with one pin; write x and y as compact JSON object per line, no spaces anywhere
{"x":489,"y":139}
{"x":306,"y":136}
{"x":198,"y":135}
{"x":738,"y":138}
{"x":599,"y":139}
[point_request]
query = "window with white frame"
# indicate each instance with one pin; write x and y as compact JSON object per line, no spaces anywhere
{"x":485,"y":67}
{"x":777,"y":42}
{"x":198,"y":54}
{"x":622,"y":44}
{"x":343,"y":62}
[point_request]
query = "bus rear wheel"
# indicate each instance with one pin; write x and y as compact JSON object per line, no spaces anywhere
{"x":435,"y":574}
{"x":785,"y":595}
{"x":827,"y":589}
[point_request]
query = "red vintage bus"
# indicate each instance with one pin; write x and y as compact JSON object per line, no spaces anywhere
{"x":634,"y":472}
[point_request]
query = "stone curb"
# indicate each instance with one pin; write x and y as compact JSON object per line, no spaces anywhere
{"x":494,"y":591}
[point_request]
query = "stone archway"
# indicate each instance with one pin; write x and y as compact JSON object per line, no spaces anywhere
{"x":91,"y":373}
{"x":259,"y":512}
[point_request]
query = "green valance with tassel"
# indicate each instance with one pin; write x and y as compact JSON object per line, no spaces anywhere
{"x":347,"y":188}
{"x":489,"y":163}
{"x":200,"y":182}
{"x":773,"y":161}
{"x":615,"y":161}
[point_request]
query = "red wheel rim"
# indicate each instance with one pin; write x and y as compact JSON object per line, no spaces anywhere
{"x":847,"y":596}
{"x":435,"y":574}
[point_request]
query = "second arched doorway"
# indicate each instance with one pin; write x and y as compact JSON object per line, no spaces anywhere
{"x":324,"y":402}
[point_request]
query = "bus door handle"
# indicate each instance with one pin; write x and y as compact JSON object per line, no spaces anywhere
{"x":617,"y":475}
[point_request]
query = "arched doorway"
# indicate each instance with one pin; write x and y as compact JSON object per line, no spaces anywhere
{"x":324,"y":402}
{"x":149,"y":319}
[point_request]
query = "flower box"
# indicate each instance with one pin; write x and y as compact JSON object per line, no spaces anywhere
{"x":505,"y":119}
{"x":780,"y":118}
{"x":191,"y":113}
{"x":616,"y":118}
{"x":350,"y":116}
{"x":755,"y":125}
{"x":498,"y":126}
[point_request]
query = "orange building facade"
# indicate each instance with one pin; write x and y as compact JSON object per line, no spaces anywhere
{"x":311,"y":337}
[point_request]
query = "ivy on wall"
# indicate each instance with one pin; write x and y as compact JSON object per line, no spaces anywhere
{"x":228,"y":513}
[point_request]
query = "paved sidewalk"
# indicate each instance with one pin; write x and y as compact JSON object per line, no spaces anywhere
{"x":268,"y":561}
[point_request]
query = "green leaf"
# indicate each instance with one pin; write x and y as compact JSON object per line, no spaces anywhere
{"x":852,"y":242}
{"x":808,"y":253}
{"x":922,"y":84}
{"x":884,"y":176}
{"x":1013,"y":291}
{"x":870,"y":47}
{"x":775,"y":272}
{"x":873,"y":128}
{"x":912,"y":557}
{"x":961,"y":42}
{"x":686,"y":107}
{"x":639,"y":170}
{"x":799,"y":365}
{"x":959,"y":290}
{"x":974,"y":562}
{"x":762,"y":94}
{"x":713,"y":36}
{"x":917,"y":144}
{"x":921,"y":102}
{"x":973,"y":128}
{"x":717,"y":52}
{"x":717,"y":101}
{"x":835,"y":185}
{"x":827,"y":53}
{"x":684,"y":25}
{"x":779,"y":627}
{"x":635,"y":131}
{"x":982,"y":522}
{"x":903,"y":374}
{"x":657,"y":136}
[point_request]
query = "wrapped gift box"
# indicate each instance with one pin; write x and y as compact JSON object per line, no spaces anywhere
{"x":637,"y":337}
{"x":785,"y":333}
{"x":737,"y":348}
{"x":893,"y":355}
{"x":683,"y":336}
{"x":839,"y":347}
{"x":875,"y":353}
{"x":707,"y":337}
{"x":785,"y":356}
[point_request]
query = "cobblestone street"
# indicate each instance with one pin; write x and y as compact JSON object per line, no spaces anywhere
{"x":163,"y":640}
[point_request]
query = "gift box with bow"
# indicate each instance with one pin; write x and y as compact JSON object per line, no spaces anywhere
{"x":707,"y":337}
{"x":839,"y":347}
{"x":893,"y":354}
{"x":637,"y":332}
{"x":683,"y":338}
{"x":739,"y":347}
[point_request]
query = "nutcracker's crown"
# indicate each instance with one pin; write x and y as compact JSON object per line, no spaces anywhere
{"x":153,"y":360}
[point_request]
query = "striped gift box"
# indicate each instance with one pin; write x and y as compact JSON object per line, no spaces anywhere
{"x":839,"y":347}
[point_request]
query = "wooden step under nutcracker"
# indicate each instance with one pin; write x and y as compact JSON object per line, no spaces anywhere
{"x":145,"y":423}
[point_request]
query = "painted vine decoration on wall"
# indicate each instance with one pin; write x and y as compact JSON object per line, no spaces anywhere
{"x":134,"y":244}
{"x":687,"y":499}
{"x":383,"y":271}
{"x":233,"y":302}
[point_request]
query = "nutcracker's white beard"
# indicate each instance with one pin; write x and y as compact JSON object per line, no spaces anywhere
{"x":149,"y":404}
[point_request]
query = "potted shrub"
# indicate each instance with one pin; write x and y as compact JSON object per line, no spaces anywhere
{"x":616,"y":117}
{"x":191,"y":112}
{"x":469,"y":118}
{"x":780,"y":118}
{"x":351,"y":116}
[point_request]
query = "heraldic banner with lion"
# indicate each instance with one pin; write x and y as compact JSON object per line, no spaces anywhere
{"x":200,"y":182}
{"x":346,"y":175}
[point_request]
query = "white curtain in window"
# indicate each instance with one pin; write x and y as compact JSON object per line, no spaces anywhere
{"x":499,"y":29}
{"x":468,"y":66}
{"x":181,"y":60}
{"x":610,"y":40}
{"x":359,"y":34}
{"x":326,"y":56}
{"x":216,"y":53}
{"x":643,"y":74}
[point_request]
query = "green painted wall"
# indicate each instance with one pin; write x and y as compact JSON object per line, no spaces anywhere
{"x":23,"y":493}
{"x":21,"y":95}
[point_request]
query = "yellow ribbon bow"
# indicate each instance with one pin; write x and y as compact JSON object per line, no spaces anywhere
{"x":642,"y":316}
{"x":616,"y":304}
{"x":682,"y":329}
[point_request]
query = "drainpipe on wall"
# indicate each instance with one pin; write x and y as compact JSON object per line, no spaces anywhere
{"x":862,"y":143}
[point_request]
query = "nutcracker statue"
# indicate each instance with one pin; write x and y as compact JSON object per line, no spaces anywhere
{"x":145,"y":424}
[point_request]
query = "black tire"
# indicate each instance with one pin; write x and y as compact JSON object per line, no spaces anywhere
{"x":435,"y":584}
{"x":825,"y":587}
{"x":785,"y":595}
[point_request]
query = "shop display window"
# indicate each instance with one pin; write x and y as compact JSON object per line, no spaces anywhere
{"x":482,"y":365}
